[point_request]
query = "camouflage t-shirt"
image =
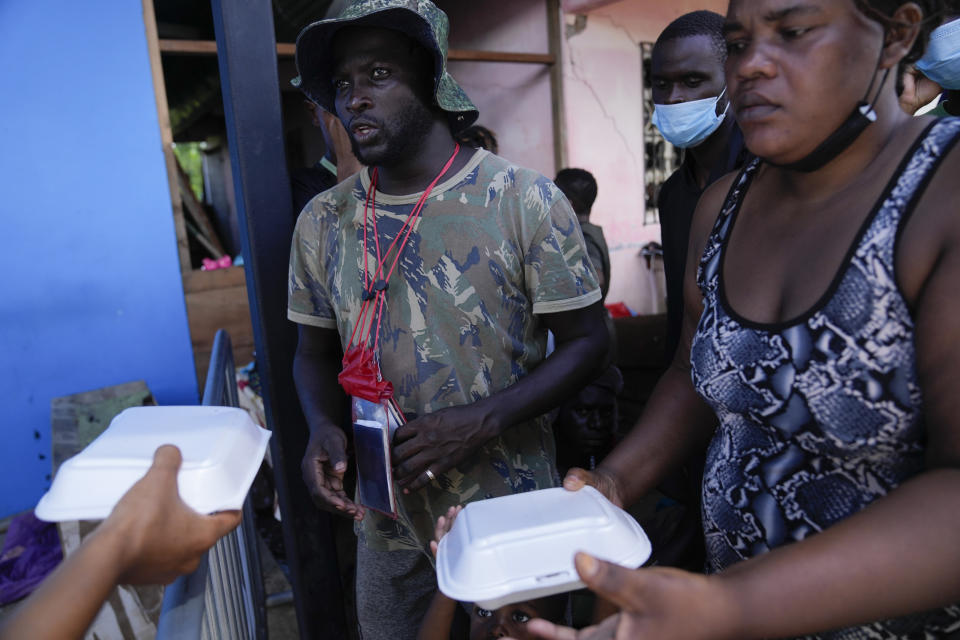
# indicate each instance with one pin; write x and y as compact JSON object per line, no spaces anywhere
{"x":495,"y":246}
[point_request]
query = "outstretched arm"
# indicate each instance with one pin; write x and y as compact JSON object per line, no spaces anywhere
{"x":151,"y":537}
{"x":897,"y":556}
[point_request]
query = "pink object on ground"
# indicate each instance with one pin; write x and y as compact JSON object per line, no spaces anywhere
{"x":221,"y":263}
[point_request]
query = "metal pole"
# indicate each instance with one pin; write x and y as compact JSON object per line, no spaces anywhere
{"x":247,"y":53}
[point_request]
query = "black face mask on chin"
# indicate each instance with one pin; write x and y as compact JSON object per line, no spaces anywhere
{"x":837,"y":142}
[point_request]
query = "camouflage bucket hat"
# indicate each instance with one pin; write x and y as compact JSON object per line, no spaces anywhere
{"x":419,"y":19}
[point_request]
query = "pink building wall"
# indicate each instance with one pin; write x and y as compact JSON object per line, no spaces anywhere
{"x":514,"y":99}
{"x":602,"y":93}
{"x":602,"y":96}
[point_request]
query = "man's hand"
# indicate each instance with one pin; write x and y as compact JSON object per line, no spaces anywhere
{"x":600,"y":479}
{"x":156,"y":535}
{"x":661,"y":604}
{"x":918,"y":90}
{"x":438,"y":441}
{"x":323,"y":466}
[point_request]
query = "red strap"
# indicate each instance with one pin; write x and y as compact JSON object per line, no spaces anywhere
{"x":406,"y":230}
{"x":371,"y":194}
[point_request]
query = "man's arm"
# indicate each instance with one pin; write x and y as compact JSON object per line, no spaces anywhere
{"x":440,"y":440}
{"x":316,"y":365}
{"x":151,"y":537}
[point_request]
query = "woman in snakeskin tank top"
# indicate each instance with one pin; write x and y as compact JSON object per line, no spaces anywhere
{"x":820,"y":365}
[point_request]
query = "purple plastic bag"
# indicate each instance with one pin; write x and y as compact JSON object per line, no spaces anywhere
{"x":30,"y":552}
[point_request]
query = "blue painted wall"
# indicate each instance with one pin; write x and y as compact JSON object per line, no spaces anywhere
{"x":90,"y":291}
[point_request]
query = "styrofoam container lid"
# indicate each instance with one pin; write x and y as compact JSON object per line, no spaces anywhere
{"x":221,"y":446}
{"x":521,"y":547}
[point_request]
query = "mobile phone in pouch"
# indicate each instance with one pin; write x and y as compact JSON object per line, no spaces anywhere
{"x":375,"y":488}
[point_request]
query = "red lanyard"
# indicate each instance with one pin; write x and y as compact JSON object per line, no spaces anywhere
{"x":375,"y":288}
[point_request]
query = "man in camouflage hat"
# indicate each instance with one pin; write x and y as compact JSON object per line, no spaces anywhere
{"x":495,"y":258}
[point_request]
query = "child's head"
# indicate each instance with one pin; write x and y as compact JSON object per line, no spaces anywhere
{"x":587,"y":422}
{"x":511,"y":620}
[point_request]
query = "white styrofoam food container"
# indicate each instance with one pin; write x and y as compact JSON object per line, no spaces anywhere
{"x":222,"y":450}
{"x":520,"y":547}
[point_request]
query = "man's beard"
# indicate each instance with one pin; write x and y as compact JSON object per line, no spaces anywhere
{"x":400,"y":138}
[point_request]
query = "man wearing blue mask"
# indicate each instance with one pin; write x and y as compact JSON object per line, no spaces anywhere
{"x":937,"y":73}
{"x":690,"y":110}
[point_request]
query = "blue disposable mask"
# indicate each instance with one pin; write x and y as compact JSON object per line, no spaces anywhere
{"x":941,"y":62}
{"x":687,"y":124}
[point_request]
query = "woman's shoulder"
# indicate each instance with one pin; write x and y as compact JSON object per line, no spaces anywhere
{"x":932,"y":231}
{"x":940,"y":147}
{"x":708,"y":208}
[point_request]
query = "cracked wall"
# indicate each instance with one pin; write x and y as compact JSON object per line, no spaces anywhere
{"x":603,"y":97}
{"x":514,"y":99}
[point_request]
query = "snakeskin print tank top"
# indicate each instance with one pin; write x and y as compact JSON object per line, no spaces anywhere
{"x":821,"y":415}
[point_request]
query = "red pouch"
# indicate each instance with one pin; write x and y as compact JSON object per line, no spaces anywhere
{"x":360,"y":376}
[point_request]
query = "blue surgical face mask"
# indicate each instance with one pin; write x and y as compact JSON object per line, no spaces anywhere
{"x":941,"y":62}
{"x":687,"y":124}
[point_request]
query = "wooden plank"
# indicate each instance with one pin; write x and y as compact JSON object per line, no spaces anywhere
{"x":558,"y":111}
{"x":197,"y":235}
{"x":166,"y":132}
{"x":218,"y":300}
{"x":198,"y":213}
{"x":209,"y":47}
{"x":197,"y":280}
{"x":219,"y":309}
{"x":189,"y":47}
{"x":287,"y":49}
{"x":585,"y":6}
{"x":470,"y":55}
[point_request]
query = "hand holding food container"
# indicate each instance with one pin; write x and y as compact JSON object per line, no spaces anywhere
{"x":521,"y":547}
{"x":221,"y":447}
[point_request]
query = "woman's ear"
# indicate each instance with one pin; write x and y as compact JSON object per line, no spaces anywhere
{"x":901,"y":33}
